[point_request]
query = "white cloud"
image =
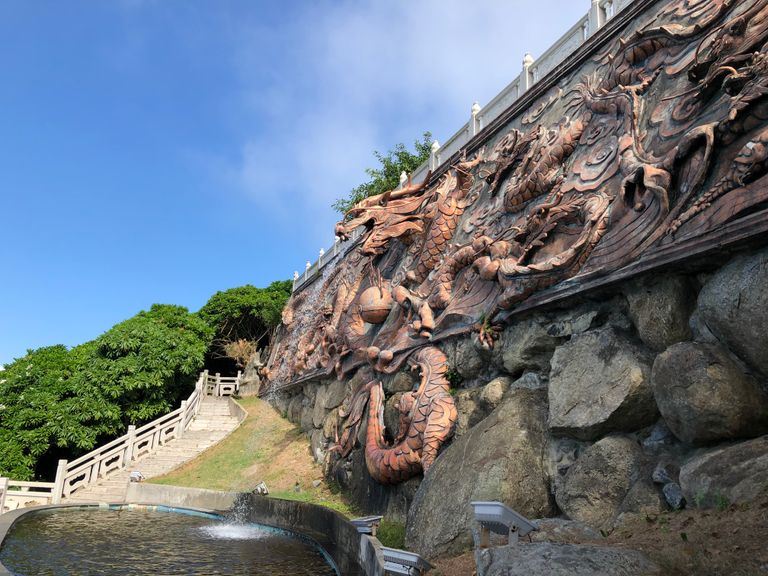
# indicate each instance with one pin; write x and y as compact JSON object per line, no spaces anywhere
{"x":350,"y":77}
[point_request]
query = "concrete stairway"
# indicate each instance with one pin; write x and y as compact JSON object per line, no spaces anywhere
{"x":211,"y":425}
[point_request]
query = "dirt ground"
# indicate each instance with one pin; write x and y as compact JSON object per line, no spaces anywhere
{"x":732,"y":541}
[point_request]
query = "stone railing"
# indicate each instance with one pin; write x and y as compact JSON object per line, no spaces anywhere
{"x":117,"y":454}
{"x":312,"y":271}
{"x":218,"y":385}
{"x":18,"y":494}
{"x":534,"y":70}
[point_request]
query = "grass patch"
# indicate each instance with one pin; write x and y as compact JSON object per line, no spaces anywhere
{"x":391,"y":534}
{"x":334,"y":502}
{"x":264,"y":448}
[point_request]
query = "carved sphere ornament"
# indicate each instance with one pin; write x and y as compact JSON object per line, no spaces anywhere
{"x":375,"y":304}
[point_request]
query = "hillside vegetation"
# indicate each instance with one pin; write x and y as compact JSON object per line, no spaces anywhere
{"x":57,"y":402}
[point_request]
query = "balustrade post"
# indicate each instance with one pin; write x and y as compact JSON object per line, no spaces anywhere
{"x":595,"y":18}
{"x":475,"y":120}
{"x":3,"y":492}
{"x":237,"y":381}
{"x":204,"y":391}
{"x":180,"y":433}
{"x":58,"y":484}
{"x":434,"y":157}
{"x":131,"y":441}
{"x":217,"y":390}
{"x":526,"y":81}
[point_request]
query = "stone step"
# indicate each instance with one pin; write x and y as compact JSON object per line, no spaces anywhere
{"x":114,"y":481}
{"x":213,"y":423}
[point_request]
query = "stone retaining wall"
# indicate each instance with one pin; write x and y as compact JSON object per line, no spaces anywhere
{"x":588,"y":410}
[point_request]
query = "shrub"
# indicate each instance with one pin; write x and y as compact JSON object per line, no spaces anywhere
{"x":245,"y":313}
{"x":393,"y":163}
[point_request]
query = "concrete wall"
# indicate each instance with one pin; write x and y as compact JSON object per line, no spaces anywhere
{"x":198,"y":498}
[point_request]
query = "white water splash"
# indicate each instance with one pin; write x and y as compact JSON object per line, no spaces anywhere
{"x":229,"y":531}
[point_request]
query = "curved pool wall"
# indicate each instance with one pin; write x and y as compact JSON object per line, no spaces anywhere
{"x":124,"y":538}
{"x":354,"y":554}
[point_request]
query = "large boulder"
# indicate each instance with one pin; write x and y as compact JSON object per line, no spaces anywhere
{"x":469,"y":358}
{"x":335,"y":394}
{"x":643,"y":498}
{"x":369,"y":496}
{"x":734,"y":305}
{"x":502,"y":458}
{"x":474,"y":404}
{"x":660,"y":310}
{"x":392,"y":415}
{"x":402,"y":381}
{"x":525,"y":346}
{"x":319,"y":411}
{"x":705,"y":396}
{"x":331,"y":424}
{"x":294,"y":408}
{"x":468,"y":409}
{"x":600,"y":383}
{"x":318,"y":445}
{"x":280,"y":403}
{"x":562,"y":560}
{"x":595,"y":487}
{"x":734,"y":474}
{"x":307,"y":412}
{"x":562,"y":531}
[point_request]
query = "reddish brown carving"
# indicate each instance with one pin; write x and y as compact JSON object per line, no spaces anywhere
{"x":427,"y":417}
{"x":656,"y":144}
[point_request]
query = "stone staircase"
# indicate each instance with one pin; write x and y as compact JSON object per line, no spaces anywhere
{"x":212,"y":423}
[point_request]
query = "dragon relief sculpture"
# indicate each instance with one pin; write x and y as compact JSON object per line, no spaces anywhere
{"x":427,"y":418}
{"x":654,"y":145}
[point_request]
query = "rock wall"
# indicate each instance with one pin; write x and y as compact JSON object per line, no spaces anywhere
{"x":647,"y":396}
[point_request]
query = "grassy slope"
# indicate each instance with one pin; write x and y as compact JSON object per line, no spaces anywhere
{"x":265,"y":448}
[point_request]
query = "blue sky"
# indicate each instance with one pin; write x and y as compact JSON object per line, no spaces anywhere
{"x":161,"y":150}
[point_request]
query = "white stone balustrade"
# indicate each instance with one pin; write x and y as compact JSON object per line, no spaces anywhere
{"x":118,"y":454}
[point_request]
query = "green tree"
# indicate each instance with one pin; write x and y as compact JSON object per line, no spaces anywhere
{"x":147,"y":363}
{"x":66,"y":402}
{"x":246,"y":313}
{"x":387,"y":177}
{"x":44,"y":405}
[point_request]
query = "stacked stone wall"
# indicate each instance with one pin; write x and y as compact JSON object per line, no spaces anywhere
{"x":644,"y":397}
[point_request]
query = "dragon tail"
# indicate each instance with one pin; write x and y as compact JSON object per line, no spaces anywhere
{"x":386,"y":465}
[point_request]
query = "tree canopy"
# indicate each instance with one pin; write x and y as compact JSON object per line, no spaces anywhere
{"x":68,"y":401}
{"x":149,"y":362}
{"x":246,"y":313}
{"x":45,"y":405}
{"x":387,"y":177}
{"x":56,"y":402}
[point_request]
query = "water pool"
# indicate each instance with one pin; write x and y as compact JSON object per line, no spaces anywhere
{"x":93,"y":541}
